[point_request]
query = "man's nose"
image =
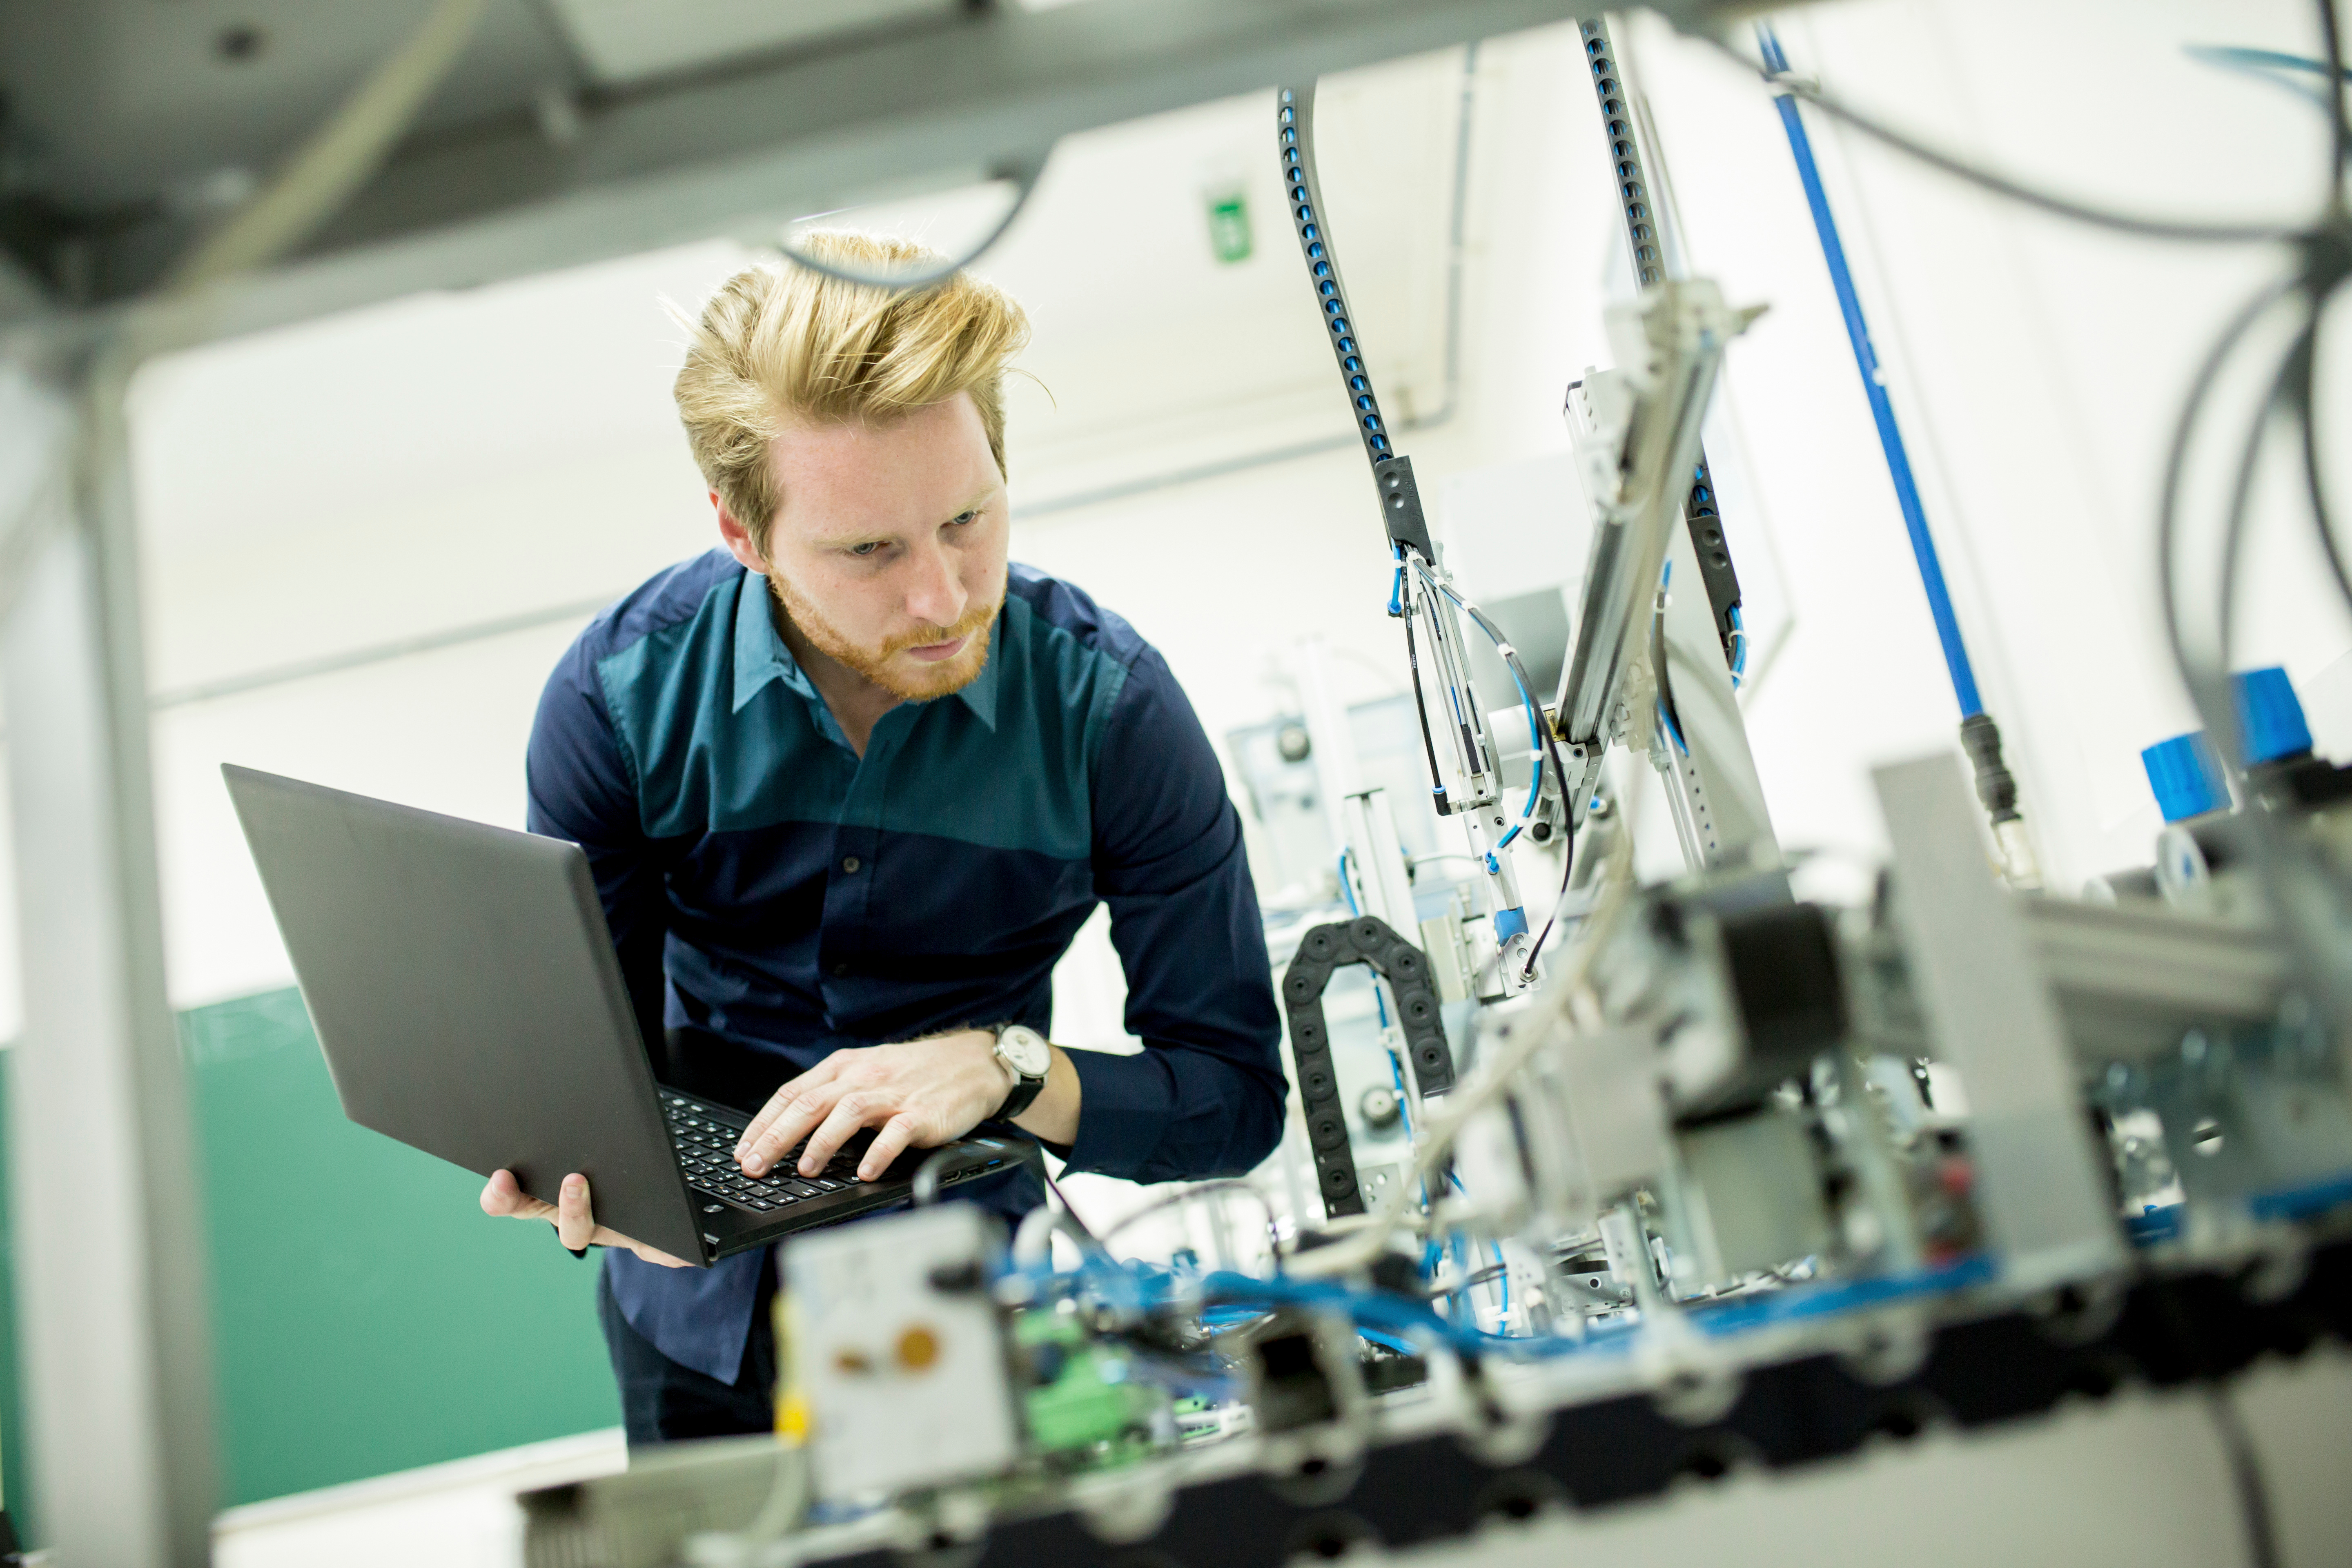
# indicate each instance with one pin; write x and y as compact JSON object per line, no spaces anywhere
{"x":935,"y":593}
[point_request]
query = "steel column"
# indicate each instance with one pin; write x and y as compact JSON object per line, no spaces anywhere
{"x":116,"y":1344}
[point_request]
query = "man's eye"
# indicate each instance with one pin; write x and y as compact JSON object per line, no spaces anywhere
{"x":868,"y":548}
{"x":963,"y":517}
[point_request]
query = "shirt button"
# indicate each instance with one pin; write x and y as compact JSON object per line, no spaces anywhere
{"x":851,"y":863}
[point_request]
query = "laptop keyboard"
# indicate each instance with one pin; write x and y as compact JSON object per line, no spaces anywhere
{"x":706,"y":1152}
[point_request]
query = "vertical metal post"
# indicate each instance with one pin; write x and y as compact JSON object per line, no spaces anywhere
{"x":116,"y":1348}
{"x":1712,"y":789}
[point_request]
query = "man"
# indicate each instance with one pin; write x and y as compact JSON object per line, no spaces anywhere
{"x":850,"y":784}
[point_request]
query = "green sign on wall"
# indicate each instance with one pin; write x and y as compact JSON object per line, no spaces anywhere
{"x":1229,"y":225}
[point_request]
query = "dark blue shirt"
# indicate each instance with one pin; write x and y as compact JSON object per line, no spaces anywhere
{"x":774,"y":897}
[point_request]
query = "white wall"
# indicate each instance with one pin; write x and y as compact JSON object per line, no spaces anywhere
{"x":2037,"y":367}
{"x":443,"y":461}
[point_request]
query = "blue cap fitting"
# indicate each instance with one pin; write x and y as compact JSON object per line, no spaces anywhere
{"x":2268,"y":716}
{"x":2185,"y":775}
{"x":1509,"y":923}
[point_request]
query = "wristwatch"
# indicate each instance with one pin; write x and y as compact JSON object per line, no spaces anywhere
{"x":1025,"y":1055}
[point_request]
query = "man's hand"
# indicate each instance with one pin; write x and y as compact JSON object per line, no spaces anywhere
{"x":573,"y":1220}
{"x":922,"y":1093}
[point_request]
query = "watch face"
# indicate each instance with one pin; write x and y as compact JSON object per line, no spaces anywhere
{"x":1026,"y":1050}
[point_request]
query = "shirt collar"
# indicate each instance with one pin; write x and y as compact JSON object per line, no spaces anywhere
{"x":980,"y":695}
{"x":761,"y":656}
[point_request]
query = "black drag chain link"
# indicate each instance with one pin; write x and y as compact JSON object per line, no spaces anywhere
{"x":1649,"y":256}
{"x":1371,"y":942}
{"x":1393,"y":474}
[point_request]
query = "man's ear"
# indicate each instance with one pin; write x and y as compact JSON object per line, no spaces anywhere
{"x":738,"y":539}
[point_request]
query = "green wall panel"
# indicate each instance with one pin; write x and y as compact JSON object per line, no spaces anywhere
{"x":368,"y":1316}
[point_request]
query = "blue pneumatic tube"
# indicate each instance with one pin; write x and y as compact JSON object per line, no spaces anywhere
{"x":1874,"y":387}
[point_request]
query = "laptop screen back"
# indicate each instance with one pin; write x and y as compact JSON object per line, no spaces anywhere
{"x":464,"y":988}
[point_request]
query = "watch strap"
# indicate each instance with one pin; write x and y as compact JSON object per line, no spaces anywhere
{"x":1025,"y":1095}
{"x":1026,"y":1089}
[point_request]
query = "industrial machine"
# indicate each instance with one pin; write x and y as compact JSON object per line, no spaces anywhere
{"x":1677,"y":1178}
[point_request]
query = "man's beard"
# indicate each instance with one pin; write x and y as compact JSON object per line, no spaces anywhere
{"x":913,"y":682}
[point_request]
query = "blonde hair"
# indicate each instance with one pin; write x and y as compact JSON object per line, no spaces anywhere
{"x":781,"y":342}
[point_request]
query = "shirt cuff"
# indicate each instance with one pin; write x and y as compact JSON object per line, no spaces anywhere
{"x":1124,"y":1106}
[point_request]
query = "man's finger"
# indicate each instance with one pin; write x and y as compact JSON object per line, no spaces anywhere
{"x":849,"y":1114}
{"x":650,"y":1254}
{"x":503,"y":1198}
{"x":574,"y":1222}
{"x":814,"y":1106}
{"x":897,"y":1135}
{"x":778,"y":1103}
{"x":783,"y":1100}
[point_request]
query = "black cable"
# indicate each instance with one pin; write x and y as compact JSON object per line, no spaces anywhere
{"x":2322,"y":517}
{"x":1510,"y":657}
{"x":1566,"y":872}
{"x":2309,"y":902}
{"x":2245,"y":1477}
{"x":1084,"y":1235}
{"x":2242,"y":488}
{"x":2339,"y":126}
{"x":2168,"y":526}
{"x":1273,"y":1231}
{"x":2174,"y":1318}
{"x":1527,"y":691}
{"x":1666,"y":704}
{"x":1558,"y":773}
{"x":925,"y":1191}
{"x":1421,"y":711}
{"x":1471,"y":1282}
{"x":2001,"y":184}
{"x":1024,"y":179}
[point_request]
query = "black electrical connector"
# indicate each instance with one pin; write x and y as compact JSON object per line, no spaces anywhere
{"x":1996,"y":787}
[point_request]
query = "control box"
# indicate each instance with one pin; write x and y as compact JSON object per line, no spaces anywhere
{"x":898,"y":1353}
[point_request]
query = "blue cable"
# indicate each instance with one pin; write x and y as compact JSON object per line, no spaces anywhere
{"x":1673,"y":732}
{"x":1145,"y":1287}
{"x":1454,"y":1181}
{"x":1535,"y":728}
{"x":1665,"y":582}
{"x":1396,"y":1314}
{"x":1873,"y":387}
{"x":1739,"y":648}
{"x":2268,"y":65}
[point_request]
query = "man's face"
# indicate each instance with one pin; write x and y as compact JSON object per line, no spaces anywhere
{"x":888,"y":551}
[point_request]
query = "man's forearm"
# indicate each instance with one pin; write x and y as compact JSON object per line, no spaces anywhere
{"x":1053,"y":1114}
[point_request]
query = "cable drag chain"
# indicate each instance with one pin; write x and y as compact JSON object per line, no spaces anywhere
{"x":1371,"y":942}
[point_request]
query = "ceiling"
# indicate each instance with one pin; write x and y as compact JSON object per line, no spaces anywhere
{"x":577,"y":129}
